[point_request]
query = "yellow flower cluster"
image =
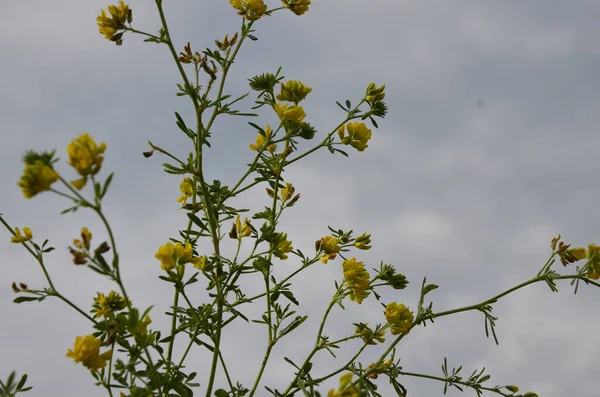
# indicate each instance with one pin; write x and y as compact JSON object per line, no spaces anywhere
{"x":106,"y":305}
{"x":171,"y":255}
{"x":593,"y":265}
{"x":250,"y":9}
{"x":298,"y":7}
{"x":357,"y":279}
{"x":293,"y":91}
{"x":281,"y":245}
{"x":289,"y":113}
{"x":87,"y":352}
{"x":358,"y":135}
{"x":37,"y":177}
{"x":262,"y":140}
{"x":399,"y":318}
{"x":83,"y":247}
{"x":86,"y":157}
{"x":344,"y":390}
{"x":239,"y":230}
{"x":376,"y":370}
{"x":187,"y":189}
{"x":20,"y":238}
{"x":142,"y":336}
{"x":329,"y":246}
{"x":110,"y":25}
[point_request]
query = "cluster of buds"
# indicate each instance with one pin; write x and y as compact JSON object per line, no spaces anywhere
{"x":362,"y":242}
{"x":565,"y":253}
{"x":286,"y":195}
{"x":186,"y":56}
{"x":18,"y":288}
{"x":226,"y":43}
{"x":81,"y":254}
{"x":369,"y":336}
{"x":375,"y":370}
{"x":375,"y":93}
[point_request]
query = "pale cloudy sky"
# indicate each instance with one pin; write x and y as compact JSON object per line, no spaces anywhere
{"x":467,"y":195}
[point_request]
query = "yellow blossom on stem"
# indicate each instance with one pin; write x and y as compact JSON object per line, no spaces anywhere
{"x":171,"y":255}
{"x":37,"y":177}
{"x":87,"y":352}
{"x":106,"y":305}
{"x":289,"y":113}
{"x":239,"y":230}
{"x":281,"y":245}
{"x":357,"y":279}
{"x":287,"y":192}
{"x":249,"y":9}
{"x":83,"y":247}
{"x":399,"y":318}
{"x":86,"y":157}
{"x":200,"y":263}
{"x":110,"y":25}
{"x":261,"y":140}
{"x":358,"y":135}
{"x":298,"y":7}
{"x":344,"y":390}
{"x":21,"y":238}
{"x":186,"y":189}
{"x":329,"y":246}
{"x":293,"y":91}
{"x":593,"y":264}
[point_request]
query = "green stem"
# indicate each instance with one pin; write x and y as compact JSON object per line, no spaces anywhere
{"x":173,"y":325}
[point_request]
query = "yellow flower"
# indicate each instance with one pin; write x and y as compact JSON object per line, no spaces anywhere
{"x":289,"y":113}
{"x":357,"y":279}
{"x":249,"y":9}
{"x":83,"y":245}
{"x":142,"y":337}
{"x":375,"y":93}
{"x":240,"y":230}
{"x":200,"y":263}
{"x":86,"y":157}
{"x":593,"y":264}
{"x":358,"y":135}
{"x":345,"y":390}
{"x":186,"y":189}
{"x":106,"y":305}
{"x":293,"y":91}
{"x":87,"y":352}
{"x":298,"y":7}
{"x":36,"y":178}
{"x":19,"y":238}
{"x":329,"y":246}
{"x":281,"y":245}
{"x":171,"y":255}
{"x":261,"y":140}
{"x":86,"y":237}
{"x":110,"y":25}
{"x":287,"y":192}
{"x":399,"y":318}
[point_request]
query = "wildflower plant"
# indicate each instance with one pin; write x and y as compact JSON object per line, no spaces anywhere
{"x":128,"y":357}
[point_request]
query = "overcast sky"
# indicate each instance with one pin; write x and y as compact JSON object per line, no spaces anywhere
{"x":464,"y":192}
